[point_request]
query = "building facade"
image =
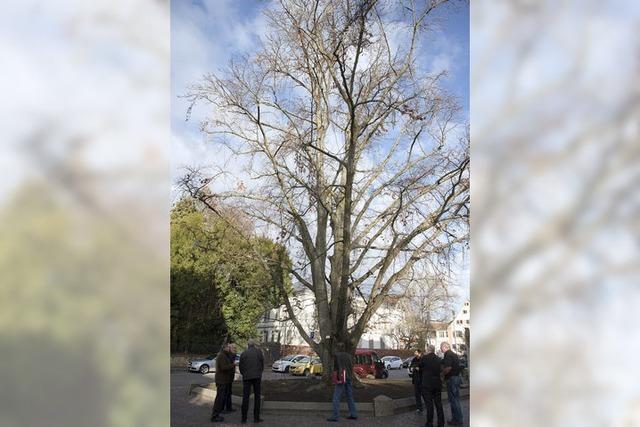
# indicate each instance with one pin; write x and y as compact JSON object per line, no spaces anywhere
{"x":274,"y":326}
{"x":459,"y":329}
{"x":380,"y":332}
{"x":453,"y":332}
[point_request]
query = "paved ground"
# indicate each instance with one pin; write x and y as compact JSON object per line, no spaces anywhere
{"x":190,"y":411}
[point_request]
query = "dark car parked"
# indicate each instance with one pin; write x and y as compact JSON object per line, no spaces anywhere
{"x":367,"y":363}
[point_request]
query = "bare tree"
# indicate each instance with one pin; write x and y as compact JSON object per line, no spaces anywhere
{"x":355,"y":155}
{"x":426,"y":301}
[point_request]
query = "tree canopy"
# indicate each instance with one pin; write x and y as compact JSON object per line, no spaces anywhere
{"x":219,"y":285}
{"x":355,"y":154}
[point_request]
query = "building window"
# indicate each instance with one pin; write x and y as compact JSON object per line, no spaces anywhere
{"x":467,"y":322}
{"x":459,"y":334}
{"x":443,"y":334}
{"x":464,"y":311}
{"x":381,"y":343}
{"x":265,"y":336}
{"x":370,"y":342}
{"x":278,"y":336}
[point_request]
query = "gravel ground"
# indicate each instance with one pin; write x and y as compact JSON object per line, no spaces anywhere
{"x":190,"y":411}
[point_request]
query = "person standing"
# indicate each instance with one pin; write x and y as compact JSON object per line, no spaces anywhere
{"x":251,"y":367}
{"x":342,"y":371}
{"x":232,"y":358}
{"x":225,"y":371}
{"x":416,"y":378}
{"x":451,"y":370}
{"x":431,"y":368}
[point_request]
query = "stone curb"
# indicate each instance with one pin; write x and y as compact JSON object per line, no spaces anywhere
{"x":382,"y":406}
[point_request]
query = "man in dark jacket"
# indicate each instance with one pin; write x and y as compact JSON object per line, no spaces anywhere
{"x":228,"y":403}
{"x":416,"y":378}
{"x":251,"y":367}
{"x":431,"y":367}
{"x":451,"y":370}
{"x":225,"y":371}
{"x":342,"y":364}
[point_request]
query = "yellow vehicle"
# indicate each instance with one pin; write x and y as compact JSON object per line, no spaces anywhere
{"x":307,"y":367}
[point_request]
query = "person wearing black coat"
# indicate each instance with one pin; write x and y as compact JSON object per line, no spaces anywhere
{"x":416,"y":378}
{"x":431,"y":368}
{"x":251,"y":367}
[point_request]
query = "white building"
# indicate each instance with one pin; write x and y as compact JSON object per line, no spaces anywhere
{"x":437,"y":334}
{"x":274,"y":326}
{"x":458,"y":327}
{"x":452,"y":332}
{"x":380,"y":330}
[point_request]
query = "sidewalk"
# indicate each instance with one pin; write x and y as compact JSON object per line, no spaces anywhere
{"x":190,"y":411}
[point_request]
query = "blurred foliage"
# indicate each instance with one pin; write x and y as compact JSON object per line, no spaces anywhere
{"x":78,"y":317}
{"x":555,"y":213}
{"x":222,"y":278}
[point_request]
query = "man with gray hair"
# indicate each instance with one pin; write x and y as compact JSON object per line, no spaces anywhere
{"x":451,"y":370}
{"x":225,"y":371}
{"x":251,"y":367}
{"x":431,"y":367}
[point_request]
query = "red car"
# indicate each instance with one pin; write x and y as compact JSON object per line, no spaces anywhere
{"x":367,"y":363}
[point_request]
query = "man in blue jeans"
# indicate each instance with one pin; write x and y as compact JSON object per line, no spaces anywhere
{"x":451,"y":370}
{"x":342,"y":364}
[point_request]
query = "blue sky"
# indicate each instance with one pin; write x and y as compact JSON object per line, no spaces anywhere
{"x":206,"y":34}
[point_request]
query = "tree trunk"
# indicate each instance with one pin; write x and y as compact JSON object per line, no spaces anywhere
{"x":327,"y":362}
{"x":327,"y":353}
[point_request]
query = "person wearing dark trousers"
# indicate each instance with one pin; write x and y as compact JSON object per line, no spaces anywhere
{"x":431,"y":368}
{"x":251,"y":367}
{"x":228,"y":404}
{"x":342,"y":371}
{"x":416,"y":378}
{"x":225,"y":371}
{"x":451,"y":370}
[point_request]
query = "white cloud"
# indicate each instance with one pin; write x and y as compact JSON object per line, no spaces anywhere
{"x":87,"y":60}
{"x":440,"y":63}
{"x":204,"y":39}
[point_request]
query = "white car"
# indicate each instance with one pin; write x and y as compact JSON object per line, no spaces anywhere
{"x":392,"y":362}
{"x":203,"y":365}
{"x":283,"y":365}
{"x":207,"y":364}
